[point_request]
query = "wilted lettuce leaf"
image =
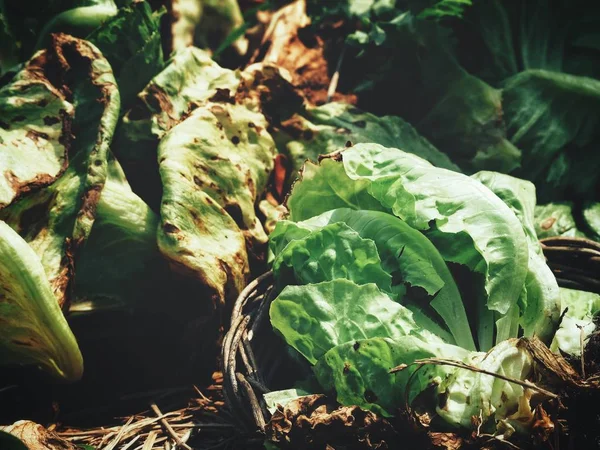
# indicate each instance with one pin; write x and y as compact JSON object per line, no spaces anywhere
{"x":55,"y":221}
{"x":34,"y":330}
{"x":331,"y":252}
{"x":120,"y":265}
{"x":539,"y":302}
{"x":325,"y":129}
{"x":314,"y":318}
{"x":131,"y":42}
{"x":213,"y":166}
{"x":35,"y":129}
{"x":190,"y":79}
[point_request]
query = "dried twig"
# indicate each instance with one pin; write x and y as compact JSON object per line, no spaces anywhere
{"x":168,"y":428}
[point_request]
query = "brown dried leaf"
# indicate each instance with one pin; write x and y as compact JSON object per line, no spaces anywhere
{"x":302,"y":54}
{"x":543,"y":426}
{"x":313,"y":422}
{"x":552,"y":368}
{"x":36,"y":437}
{"x":446,"y":441}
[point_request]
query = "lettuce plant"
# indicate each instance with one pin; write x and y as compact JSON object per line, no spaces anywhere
{"x":386,"y":260}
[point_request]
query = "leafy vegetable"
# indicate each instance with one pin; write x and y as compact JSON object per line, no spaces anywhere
{"x":189,"y":79}
{"x":556,"y":219}
{"x":411,"y":189}
{"x":539,"y":302}
{"x":34,"y":330}
{"x":413,"y":262}
{"x":213,"y":166}
{"x":332,"y":252}
{"x":120,"y":265}
{"x":577,"y":324}
{"x":393,"y":212}
{"x":316,"y":317}
{"x":131,"y":42}
{"x":327,"y":128}
{"x":57,"y":220}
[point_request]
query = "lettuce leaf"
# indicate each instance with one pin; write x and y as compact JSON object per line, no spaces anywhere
{"x":213,"y":167}
{"x":34,"y":330}
{"x":55,"y":221}
{"x":414,"y":264}
{"x":577,"y":324}
{"x":466,"y":222}
{"x":540,"y":301}
{"x":330,"y":127}
{"x":332,"y":252}
{"x":314,"y":318}
{"x":131,"y":42}
{"x":359,"y":372}
{"x":189,"y":79}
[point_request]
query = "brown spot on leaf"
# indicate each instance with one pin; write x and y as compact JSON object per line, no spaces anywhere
{"x":235,"y":140}
{"x":250,"y":184}
{"x":547,"y":223}
{"x":90,"y":201}
{"x":170,"y":228}
{"x":346,"y":368}
{"x":51,"y":120}
{"x":36,"y":135}
{"x":24,"y":187}
{"x":159,"y":102}
{"x":223,"y":96}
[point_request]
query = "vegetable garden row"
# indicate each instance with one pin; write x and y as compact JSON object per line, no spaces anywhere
{"x":356,"y":223}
